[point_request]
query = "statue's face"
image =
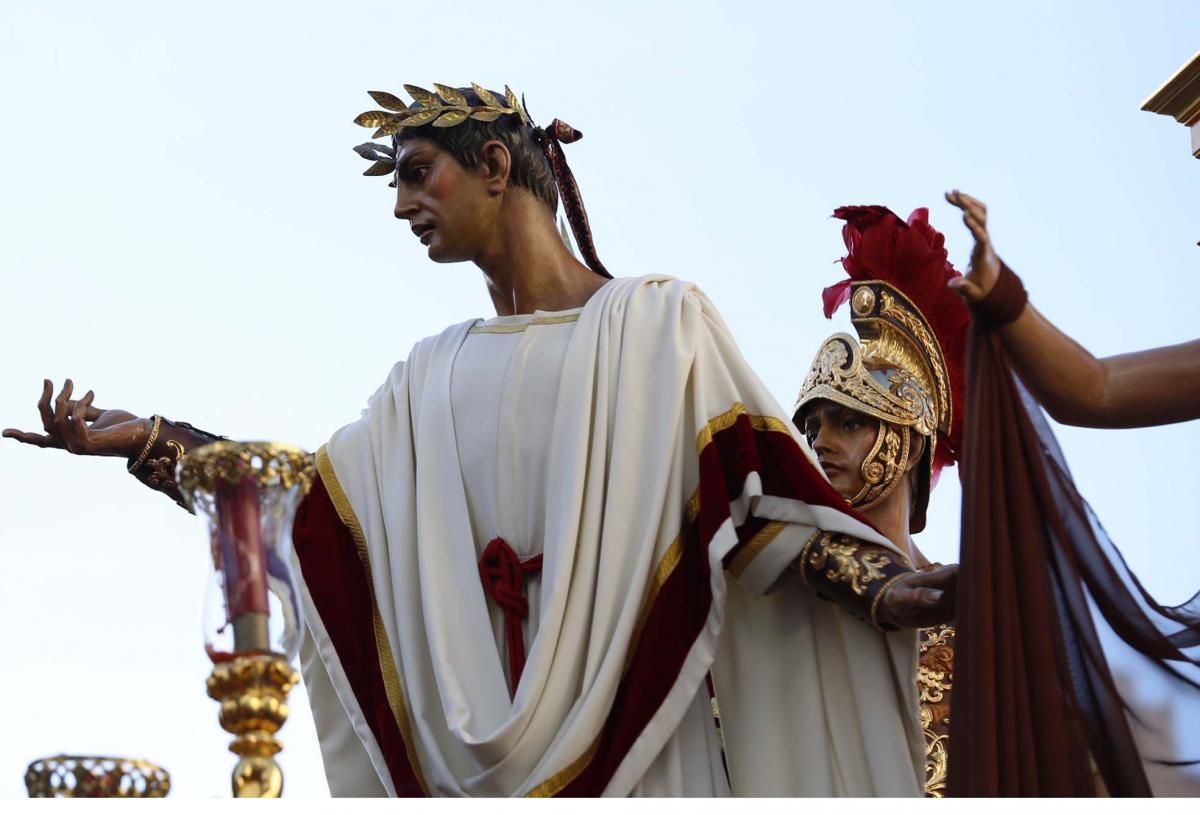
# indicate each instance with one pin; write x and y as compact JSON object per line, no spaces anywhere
{"x":448,"y":206}
{"x":841,"y":438}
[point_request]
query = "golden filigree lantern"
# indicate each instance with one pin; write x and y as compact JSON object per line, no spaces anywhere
{"x":95,"y":777}
{"x":249,"y":492}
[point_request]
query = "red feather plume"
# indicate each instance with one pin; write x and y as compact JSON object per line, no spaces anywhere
{"x":911,"y":255}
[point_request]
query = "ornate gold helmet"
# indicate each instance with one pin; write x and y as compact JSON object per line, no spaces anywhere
{"x":905,"y":370}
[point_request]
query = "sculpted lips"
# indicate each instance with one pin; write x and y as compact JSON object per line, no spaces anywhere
{"x":830,"y":468}
{"x":423,"y":232}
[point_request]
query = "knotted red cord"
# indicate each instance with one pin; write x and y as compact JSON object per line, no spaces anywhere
{"x":503,"y":575}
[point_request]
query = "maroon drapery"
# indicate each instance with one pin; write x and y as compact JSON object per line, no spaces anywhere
{"x":1034,"y":701}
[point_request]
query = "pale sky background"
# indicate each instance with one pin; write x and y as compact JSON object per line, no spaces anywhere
{"x":183,"y":228}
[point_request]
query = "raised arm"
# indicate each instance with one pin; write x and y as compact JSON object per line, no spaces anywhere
{"x":1138,"y":389}
{"x":152,"y":447}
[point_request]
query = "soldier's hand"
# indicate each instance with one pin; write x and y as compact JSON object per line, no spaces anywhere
{"x":984,"y":268}
{"x":921,"y":599}
{"x":80,"y":427}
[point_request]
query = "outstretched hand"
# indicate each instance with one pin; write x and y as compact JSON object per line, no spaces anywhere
{"x":984,"y":268}
{"x":80,"y":427}
{"x":921,"y":599}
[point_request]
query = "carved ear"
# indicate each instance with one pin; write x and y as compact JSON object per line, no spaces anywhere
{"x":496,"y":165}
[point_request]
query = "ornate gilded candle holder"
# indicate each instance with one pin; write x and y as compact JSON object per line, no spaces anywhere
{"x":253,"y":693}
{"x":95,"y":777}
{"x":249,"y":492}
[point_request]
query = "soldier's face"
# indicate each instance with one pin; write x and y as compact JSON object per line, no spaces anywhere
{"x":841,"y":438}
{"x":447,"y":206}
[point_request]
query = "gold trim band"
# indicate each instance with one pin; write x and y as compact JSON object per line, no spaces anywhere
{"x":727,"y":419}
{"x":520,"y":327}
{"x":557,"y":783}
{"x":754,"y":546}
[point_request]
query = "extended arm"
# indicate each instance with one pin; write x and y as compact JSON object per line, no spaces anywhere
{"x":152,"y":447}
{"x":1139,"y":389}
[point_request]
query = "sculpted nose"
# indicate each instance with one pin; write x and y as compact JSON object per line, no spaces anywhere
{"x":405,"y":207}
{"x":821,"y":443}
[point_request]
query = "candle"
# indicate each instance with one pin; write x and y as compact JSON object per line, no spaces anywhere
{"x":243,"y":562}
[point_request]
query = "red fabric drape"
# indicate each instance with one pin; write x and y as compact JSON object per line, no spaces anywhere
{"x":1034,"y":700}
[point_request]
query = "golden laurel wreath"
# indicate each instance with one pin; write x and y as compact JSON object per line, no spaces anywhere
{"x":446,"y":108}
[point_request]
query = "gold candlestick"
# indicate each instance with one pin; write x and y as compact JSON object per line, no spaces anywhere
{"x":249,"y":492}
{"x":253,"y":693}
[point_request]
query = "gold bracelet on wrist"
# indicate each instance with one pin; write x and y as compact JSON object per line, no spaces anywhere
{"x":154,"y":429}
{"x":875,"y":602}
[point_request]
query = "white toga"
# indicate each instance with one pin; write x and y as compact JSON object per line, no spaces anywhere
{"x":573,"y":435}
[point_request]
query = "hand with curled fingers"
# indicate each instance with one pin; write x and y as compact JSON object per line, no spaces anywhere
{"x":79,"y":427}
{"x":921,"y":599}
{"x":985,"y":265}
